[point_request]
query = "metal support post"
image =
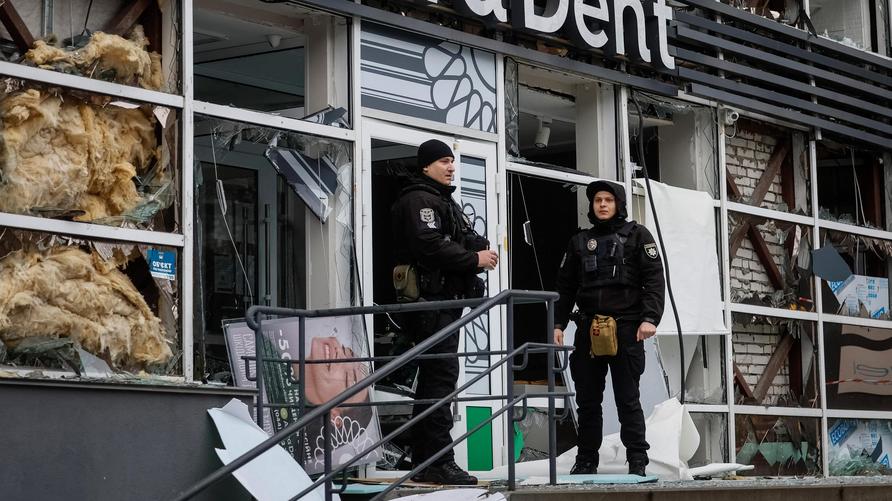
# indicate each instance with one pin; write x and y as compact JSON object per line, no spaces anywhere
{"x":509,"y":388}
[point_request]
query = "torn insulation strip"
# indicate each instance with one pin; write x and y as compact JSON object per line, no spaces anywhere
{"x":66,"y":292}
{"x":106,"y":57}
{"x":72,"y":155}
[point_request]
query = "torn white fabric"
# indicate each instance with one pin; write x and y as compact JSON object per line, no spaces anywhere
{"x":272,"y":476}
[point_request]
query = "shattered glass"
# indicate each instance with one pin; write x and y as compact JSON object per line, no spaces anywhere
{"x":775,"y":361}
{"x":865,"y":293}
{"x":512,"y":109}
{"x":87,"y":307}
{"x":859,"y":447}
{"x":852,"y":184}
{"x":713,"y":447}
{"x":704,"y":379}
{"x":778,"y":446}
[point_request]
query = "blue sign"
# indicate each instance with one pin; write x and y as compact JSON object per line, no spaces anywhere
{"x":162,"y":264}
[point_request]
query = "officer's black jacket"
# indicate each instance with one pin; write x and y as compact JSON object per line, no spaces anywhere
{"x":427,"y":229}
{"x":641,"y":301}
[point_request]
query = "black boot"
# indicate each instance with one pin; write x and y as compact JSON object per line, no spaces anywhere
{"x":636,"y":467}
{"x":447,"y":473}
{"x":584,"y":466}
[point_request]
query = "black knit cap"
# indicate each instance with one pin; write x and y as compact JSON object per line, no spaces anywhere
{"x":432,"y":150}
{"x":618,"y":192}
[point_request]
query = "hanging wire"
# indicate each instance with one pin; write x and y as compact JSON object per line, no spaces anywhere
{"x":526,"y":212}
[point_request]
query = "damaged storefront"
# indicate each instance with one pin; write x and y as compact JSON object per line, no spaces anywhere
{"x":165,"y":165}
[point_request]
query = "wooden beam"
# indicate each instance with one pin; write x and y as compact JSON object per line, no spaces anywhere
{"x":731,"y":181}
{"x":11,"y":19}
{"x":765,"y":257}
{"x":781,"y":352}
{"x":126,"y":17}
{"x":736,"y":238}
{"x":741,"y":382}
{"x":780,"y":152}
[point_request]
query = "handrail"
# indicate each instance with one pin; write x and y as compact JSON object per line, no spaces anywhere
{"x":480,"y":306}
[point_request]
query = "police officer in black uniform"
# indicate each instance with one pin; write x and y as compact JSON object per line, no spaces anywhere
{"x":611,"y":269}
{"x":431,"y":234}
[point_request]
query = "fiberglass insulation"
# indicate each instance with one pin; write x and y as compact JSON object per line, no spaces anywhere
{"x":66,"y":292}
{"x":69,"y":154}
{"x":105,"y":56}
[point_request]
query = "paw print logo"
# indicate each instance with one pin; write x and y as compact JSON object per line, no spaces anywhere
{"x":460,"y":87}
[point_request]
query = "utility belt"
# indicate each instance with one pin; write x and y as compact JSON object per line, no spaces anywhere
{"x":601,"y":333}
{"x":412,"y":282}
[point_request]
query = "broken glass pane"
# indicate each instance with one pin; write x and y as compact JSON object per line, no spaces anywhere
{"x":770,"y":262}
{"x":859,"y":446}
{"x":865,"y":293}
{"x":858,"y":364}
{"x":774,"y":361}
{"x":88,"y":306}
{"x":713,"y":430}
{"x":778,"y":446}
{"x":767,"y":165}
{"x":704,"y":361}
{"x":86,"y":157}
{"x":851,"y":184}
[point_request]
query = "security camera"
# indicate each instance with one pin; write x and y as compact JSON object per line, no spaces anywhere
{"x":730,"y":116}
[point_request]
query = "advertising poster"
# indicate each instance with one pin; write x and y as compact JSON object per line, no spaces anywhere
{"x":353,"y":429}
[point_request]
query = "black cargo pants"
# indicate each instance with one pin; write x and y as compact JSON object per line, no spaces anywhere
{"x":436,"y":379}
{"x":590,"y":377}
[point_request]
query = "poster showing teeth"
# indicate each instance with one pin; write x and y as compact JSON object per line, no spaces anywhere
{"x":353,"y":429}
{"x":424,"y":77}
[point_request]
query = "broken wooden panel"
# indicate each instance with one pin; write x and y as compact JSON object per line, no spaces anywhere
{"x":89,"y":158}
{"x":852,"y":183}
{"x":775,"y":361}
{"x":713,"y":447}
{"x":767,"y":166}
{"x":123,"y":41}
{"x":865,"y":294}
{"x":859,"y":446}
{"x":770,"y":262}
{"x":781,"y":446}
{"x":857,"y":365}
{"x":90,"y":307}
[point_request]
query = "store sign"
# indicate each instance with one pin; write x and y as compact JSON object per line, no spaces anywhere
{"x":600,"y":24}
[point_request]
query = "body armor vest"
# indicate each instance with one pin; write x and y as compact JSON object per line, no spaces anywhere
{"x":603,"y":259}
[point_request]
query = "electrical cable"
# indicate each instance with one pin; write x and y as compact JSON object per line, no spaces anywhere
{"x":653,"y":208}
{"x":526,"y":213}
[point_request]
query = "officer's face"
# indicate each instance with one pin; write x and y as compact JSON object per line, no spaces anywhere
{"x":604,"y":205}
{"x":441,"y":171}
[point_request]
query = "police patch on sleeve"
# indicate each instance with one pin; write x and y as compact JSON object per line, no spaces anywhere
{"x":651,"y":251}
{"x":427,"y":217}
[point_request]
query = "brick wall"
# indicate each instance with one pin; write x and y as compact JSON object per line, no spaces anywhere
{"x":753,"y":346}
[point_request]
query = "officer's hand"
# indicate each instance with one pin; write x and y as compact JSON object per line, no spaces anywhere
{"x":559,"y":337}
{"x":487,"y":259}
{"x":645,"y":330}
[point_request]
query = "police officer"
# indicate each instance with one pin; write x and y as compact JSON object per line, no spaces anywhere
{"x":431,"y":234}
{"x":612,"y":269}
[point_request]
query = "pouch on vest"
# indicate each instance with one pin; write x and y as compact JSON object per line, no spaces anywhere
{"x":602,"y":334}
{"x":405,"y":281}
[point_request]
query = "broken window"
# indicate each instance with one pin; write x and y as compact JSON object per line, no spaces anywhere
{"x":861,"y":24}
{"x":88,"y":157}
{"x":704,"y":363}
{"x":852,"y":184}
{"x":778,"y":446}
{"x":279,"y":58}
{"x":784,"y":11}
{"x":770,"y":262}
{"x":775,"y":361}
{"x":859,"y":446}
{"x":713,"y":447}
{"x":858,"y":364}
{"x":862,"y":287}
{"x":95,"y":308}
{"x":131,"y":43}
{"x":679,"y":142}
{"x":560,"y":120}
{"x":767,"y":165}
{"x":273,"y":226}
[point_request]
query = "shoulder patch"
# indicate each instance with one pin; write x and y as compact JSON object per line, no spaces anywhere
{"x":427,"y":215}
{"x":650,"y":250}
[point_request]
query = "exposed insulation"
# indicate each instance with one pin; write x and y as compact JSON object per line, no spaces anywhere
{"x":66,"y":292}
{"x":68,"y":154}
{"x":110,"y":57}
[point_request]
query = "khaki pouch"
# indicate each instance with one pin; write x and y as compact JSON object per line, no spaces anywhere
{"x":405,"y":282}
{"x":602,"y":334}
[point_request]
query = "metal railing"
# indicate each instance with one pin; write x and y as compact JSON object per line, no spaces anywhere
{"x":508,"y":298}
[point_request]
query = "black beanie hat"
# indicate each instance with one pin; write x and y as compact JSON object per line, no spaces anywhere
{"x":618,"y":192}
{"x":430,"y":151}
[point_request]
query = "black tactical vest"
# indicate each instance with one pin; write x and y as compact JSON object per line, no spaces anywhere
{"x":604,"y":262}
